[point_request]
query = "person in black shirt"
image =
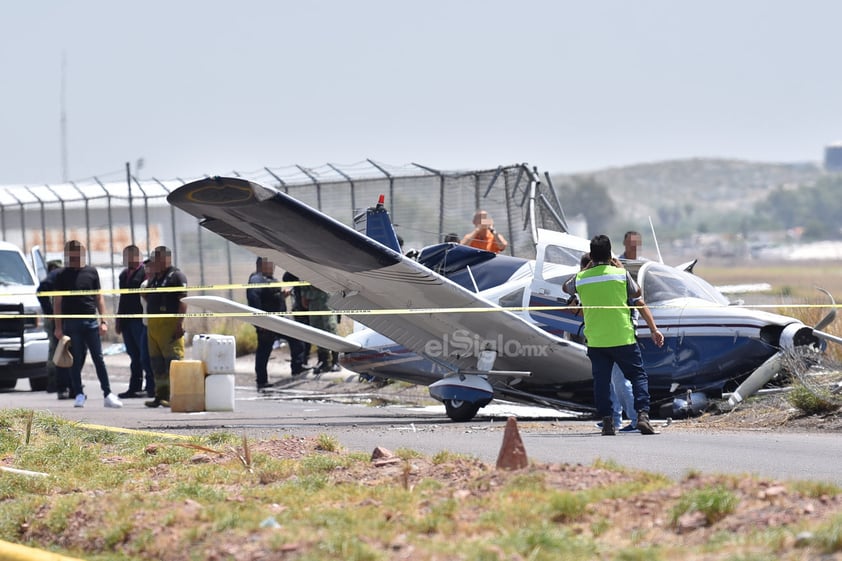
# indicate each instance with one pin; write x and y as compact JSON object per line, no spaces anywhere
{"x":132,"y":328}
{"x":268,"y":299}
{"x":58,"y":378}
{"x":76,"y":316}
{"x":165,"y":331}
{"x":299,"y":351}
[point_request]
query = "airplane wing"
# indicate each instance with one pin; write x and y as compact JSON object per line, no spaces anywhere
{"x":388,"y":292}
{"x":278,"y":324}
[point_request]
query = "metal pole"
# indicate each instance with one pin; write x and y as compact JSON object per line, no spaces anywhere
{"x":42,"y":214}
{"x":316,"y":183}
{"x":63,"y":209}
{"x":491,"y":183}
{"x":509,"y":213}
{"x":131,"y":210}
{"x":145,"y":210}
{"x":441,"y":197}
{"x":350,"y":182}
{"x":22,"y":220}
{"x":281,"y":182}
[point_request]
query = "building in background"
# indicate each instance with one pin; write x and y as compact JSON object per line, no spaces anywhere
{"x":833,"y":157}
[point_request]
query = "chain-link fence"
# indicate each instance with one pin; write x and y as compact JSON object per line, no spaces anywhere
{"x":425,"y":204}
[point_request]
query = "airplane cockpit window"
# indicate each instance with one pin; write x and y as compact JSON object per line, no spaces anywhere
{"x":562,"y":255}
{"x":660,"y":283}
{"x":512,"y":299}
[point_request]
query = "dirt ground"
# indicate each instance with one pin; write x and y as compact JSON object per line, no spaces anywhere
{"x":640,"y":521}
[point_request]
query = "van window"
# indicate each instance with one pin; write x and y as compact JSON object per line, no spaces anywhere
{"x":13,"y":270}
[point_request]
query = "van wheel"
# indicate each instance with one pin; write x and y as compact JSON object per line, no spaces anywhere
{"x":8,"y":384}
{"x":38,"y":384}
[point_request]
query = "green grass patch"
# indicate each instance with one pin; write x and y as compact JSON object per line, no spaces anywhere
{"x":714,"y":503}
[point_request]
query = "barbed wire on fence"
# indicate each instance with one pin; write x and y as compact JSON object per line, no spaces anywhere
{"x":110,"y":212}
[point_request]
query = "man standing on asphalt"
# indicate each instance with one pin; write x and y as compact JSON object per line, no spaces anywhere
{"x":268,"y":299}
{"x":132,"y":328}
{"x":58,"y":378}
{"x":165,"y":330}
{"x":84,"y":320}
{"x":605,"y":289}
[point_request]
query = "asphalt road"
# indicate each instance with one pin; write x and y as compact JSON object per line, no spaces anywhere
{"x":679,"y":449}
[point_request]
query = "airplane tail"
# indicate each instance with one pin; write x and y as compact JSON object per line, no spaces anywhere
{"x":375,"y":223}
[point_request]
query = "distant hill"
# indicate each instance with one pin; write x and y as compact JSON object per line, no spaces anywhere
{"x":697,"y":187}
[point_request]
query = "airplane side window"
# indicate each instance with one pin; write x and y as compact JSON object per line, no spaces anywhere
{"x":560,"y":280}
{"x":562,"y":255}
{"x":512,"y":299}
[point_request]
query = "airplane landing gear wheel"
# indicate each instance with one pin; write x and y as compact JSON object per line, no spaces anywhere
{"x":460,"y":411}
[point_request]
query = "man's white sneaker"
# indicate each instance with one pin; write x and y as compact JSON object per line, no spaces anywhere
{"x":112,"y":401}
{"x":80,"y":400}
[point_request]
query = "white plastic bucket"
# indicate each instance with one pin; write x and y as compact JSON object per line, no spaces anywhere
{"x":219,"y":392}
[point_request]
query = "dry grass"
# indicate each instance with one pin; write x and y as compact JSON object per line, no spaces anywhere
{"x":113,"y":497}
{"x":794,"y":290}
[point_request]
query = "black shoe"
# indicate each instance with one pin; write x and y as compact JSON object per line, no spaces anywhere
{"x":608,"y":426}
{"x":643,"y":424}
{"x":132,"y":394}
{"x":154,"y":403}
{"x":266,"y":386}
{"x":301,"y":371}
{"x":63,"y":394}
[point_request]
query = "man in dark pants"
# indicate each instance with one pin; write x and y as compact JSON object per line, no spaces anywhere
{"x":165,"y":329}
{"x":268,"y":299}
{"x":84,"y":320}
{"x":58,"y":378}
{"x":299,"y":351}
{"x":605,"y":289}
{"x":132,"y":328}
{"x":316,"y":301}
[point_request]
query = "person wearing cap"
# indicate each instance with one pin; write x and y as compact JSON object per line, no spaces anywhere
{"x":129,"y":324}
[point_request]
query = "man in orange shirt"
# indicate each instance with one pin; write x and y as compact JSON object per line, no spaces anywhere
{"x":484,"y":236}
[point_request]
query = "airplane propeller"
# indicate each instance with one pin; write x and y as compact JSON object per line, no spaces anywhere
{"x":772,"y":366}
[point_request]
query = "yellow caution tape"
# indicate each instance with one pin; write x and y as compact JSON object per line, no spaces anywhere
{"x":383,"y":312}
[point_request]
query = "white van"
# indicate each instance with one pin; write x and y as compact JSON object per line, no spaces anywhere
{"x":23,"y":340}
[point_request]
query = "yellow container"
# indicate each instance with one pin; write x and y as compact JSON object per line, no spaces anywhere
{"x":187,"y":386}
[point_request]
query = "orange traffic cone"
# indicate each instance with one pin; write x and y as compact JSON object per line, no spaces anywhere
{"x":512,"y":452}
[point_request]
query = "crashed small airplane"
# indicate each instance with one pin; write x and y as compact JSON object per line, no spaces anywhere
{"x":473,"y":325}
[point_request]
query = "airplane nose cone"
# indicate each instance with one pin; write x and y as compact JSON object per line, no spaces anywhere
{"x":798,"y":335}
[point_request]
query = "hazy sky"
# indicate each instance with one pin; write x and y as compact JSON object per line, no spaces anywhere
{"x":197,"y":87}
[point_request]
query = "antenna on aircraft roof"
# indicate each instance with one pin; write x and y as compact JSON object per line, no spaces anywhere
{"x":655,"y":237}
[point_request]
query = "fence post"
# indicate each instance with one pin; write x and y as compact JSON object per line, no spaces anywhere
{"x":63,"y":214}
{"x":316,"y":183}
{"x":22,"y":221}
{"x":40,"y":212}
{"x":391,"y":204}
{"x":145,"y":212}
{"x":351,"y":183}
{"x":131,"y":210}
{"x":441,"y":197}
